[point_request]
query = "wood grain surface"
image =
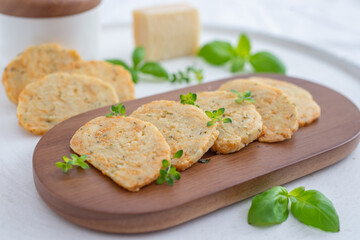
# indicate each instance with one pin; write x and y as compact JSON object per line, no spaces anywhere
{"x":92,"y":200}
{"x":45,"y":8}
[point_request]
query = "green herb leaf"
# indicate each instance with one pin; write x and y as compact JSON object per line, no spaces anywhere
{"x":74,"y":161}
{"x":210,"y":123}
{"x":313,"y":208}
{"x":160,"y":180}
{"x":220,"y":112}
{"x":216,"y":116}
{"x":227,"y":120}
{"x":269,"y":207}
{"x":110,"y":115}
{"x":246,"y":96}
{"x":170,"y":180}
{"x":237,"y":64}
{"x":178,"y":154}
{"x":217,"y":52}
{"x":165,"y":163}
{"x":163,"y":172}
{"x":189,"y":99}
{"x":79,"y":161}
{"x":187,"y":76}
{"x":138,"y":56}
{"x":244,"y":46}
{"x":168,"y":173}
{"x":267,"y":62}
{"x":154,"y":69}
{"x":118,"y":62}
{"x":134,"y":75}
{"x":117,"y":110}
{"x":209,"y":114}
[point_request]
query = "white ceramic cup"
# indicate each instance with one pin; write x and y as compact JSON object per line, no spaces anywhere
{"x":79,"y":31}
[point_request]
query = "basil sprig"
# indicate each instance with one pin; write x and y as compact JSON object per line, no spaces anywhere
{"x":155,"y":70}
{"x":310,"y":207}
{"x":221,"y":52}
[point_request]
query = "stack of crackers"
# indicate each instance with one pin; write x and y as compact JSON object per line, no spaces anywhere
{"x":50,"y":83}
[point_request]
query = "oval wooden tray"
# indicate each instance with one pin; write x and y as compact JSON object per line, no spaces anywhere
{"x":92,"y":200}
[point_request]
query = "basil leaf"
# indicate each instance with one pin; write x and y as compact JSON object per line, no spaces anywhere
{"x":313,"y":208}
{"x":267,"y":62}
{"x":118,"y":62}
{"x":138,"y":55}
{"x":244,"y":46}
{"x":269,"y":207}
{"x":237,"y":64}
{"x":154,"y":69}
{"x":217,"y":52}
{"x":134,"y":75}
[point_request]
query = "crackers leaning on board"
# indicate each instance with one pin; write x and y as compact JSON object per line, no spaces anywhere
{"x":50,"y":84}
{"x":123,"y":149}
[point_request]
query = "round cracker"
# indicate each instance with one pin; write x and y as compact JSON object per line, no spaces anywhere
{"x":246,"y":121}
{"x":128,"y":150}
{"x":184,"y":128}
{"x":58,"y":96}
{"x":308,"y":109}
{"x":116,"y":75}
{"x":278,"y":113}
{"x":34,"y":63}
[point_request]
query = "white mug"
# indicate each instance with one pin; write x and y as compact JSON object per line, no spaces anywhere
{"x":79,"y":31}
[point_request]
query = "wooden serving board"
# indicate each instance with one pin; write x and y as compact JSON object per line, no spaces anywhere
{"x":92,"y":200}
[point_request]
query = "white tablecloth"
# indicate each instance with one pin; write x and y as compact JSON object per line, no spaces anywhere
{"x":332,"y":25}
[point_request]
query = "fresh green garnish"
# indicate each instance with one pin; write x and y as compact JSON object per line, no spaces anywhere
{"x":154,"y":69}
{"x":216,"y":116}
{"x":187,"y":76}
{"x":311,"y":207}
{"x":142,"y":69}
{"x":265,"y":62}
{"x":189,"y":99}
{"x":117,"y":110}
{"x":242,"y":97}
{"x":168,"y":173}
{"x":221,"y":52}
{"x":270,"y":207}
{"x":74,"y":161}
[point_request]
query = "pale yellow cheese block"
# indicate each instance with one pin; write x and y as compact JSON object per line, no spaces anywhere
{"x":168,"y":31}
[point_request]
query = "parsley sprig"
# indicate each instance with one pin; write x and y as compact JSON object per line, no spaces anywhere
{"x":74,"y":161}
{"x":142,"y":69}
{"x":168,"y":173}
{"x":117,"y":110}
{"x":189,"y":99}
{"x":216,"y":116}
{"x":243,"y":97}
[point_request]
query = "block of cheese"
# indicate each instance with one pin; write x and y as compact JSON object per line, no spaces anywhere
{"x":167,"y":31}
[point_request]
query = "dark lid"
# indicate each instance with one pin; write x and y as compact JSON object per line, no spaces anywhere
{"x":45,"y":8}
